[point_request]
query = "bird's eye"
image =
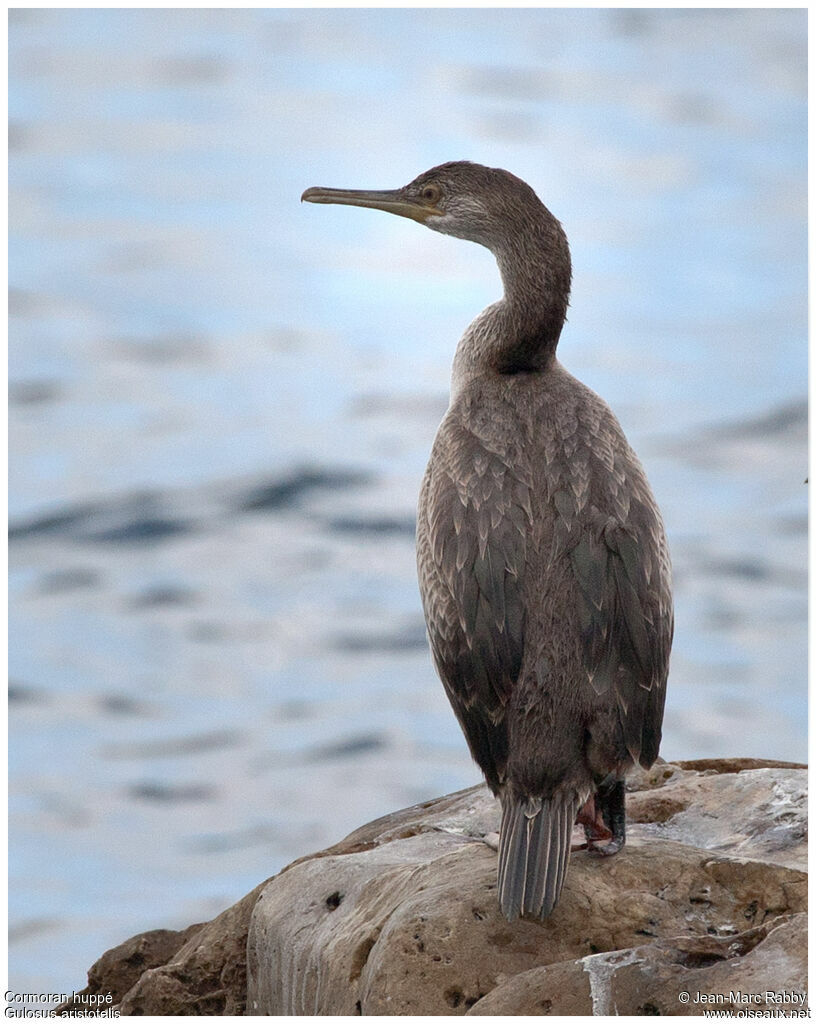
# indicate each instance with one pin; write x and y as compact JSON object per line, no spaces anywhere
{"x":431,"y":193}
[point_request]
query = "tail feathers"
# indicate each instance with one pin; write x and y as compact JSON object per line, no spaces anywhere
{"x":534,"y":850}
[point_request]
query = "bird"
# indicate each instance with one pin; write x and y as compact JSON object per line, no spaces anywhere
{"x":543,"y":565}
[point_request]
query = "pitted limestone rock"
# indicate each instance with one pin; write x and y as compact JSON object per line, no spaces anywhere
{"x":401,"y":917}
{"x":405,"y":921}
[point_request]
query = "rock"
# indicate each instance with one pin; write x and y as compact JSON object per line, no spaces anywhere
{"x":401,"y":917}
{"x":649,"y":980}
{"x":198,"y":972}
{"x":757,"y":812}
{"x":206,"y":977}
{"x":118,"y":970}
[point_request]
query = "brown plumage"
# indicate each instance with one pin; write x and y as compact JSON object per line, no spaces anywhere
{"x":543,"y":564}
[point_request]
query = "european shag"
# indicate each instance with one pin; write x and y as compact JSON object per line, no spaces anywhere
{"x":543,"y":564}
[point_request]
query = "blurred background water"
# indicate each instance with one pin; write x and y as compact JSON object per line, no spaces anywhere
{"x":221,"y":404}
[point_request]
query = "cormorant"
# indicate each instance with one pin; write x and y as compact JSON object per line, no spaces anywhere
{"x":543,"y":564}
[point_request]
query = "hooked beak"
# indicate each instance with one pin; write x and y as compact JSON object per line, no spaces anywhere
{"x":392,"y":201}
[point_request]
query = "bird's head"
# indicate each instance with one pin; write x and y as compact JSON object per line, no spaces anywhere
{"x":482,"y":204}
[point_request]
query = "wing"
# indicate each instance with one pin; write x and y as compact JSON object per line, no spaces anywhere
{"x":474,"y":520}
{"x":621,"y":565}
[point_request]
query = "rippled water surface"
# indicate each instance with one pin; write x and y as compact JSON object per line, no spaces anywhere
{"x":222,"y":402}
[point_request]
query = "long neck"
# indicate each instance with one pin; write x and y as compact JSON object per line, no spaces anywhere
{"x":536,"y":272}
{"x":520,"y":333}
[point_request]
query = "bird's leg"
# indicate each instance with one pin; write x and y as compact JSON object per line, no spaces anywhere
{"x":610,"y":803}
{"x":595,"y":829}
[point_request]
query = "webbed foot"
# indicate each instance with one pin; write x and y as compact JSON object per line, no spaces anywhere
{"x":491,"y":839}
{"x":609,"y":821}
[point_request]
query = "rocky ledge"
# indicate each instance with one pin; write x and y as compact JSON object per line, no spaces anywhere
{"x":708,"y":898}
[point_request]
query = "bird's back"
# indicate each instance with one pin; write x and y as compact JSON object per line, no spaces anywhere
{"x":545,"y":580}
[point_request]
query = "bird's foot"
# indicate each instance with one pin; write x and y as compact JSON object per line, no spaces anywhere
{"x":609,"y":821}
{"x":591,"y":817}
{"x":491,"y":839}
{"x":608,"y":849}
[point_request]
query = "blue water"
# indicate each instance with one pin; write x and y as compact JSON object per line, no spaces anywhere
{"x":222,"y":402}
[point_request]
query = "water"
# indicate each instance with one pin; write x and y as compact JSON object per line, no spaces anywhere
{"x":222,"y":401}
